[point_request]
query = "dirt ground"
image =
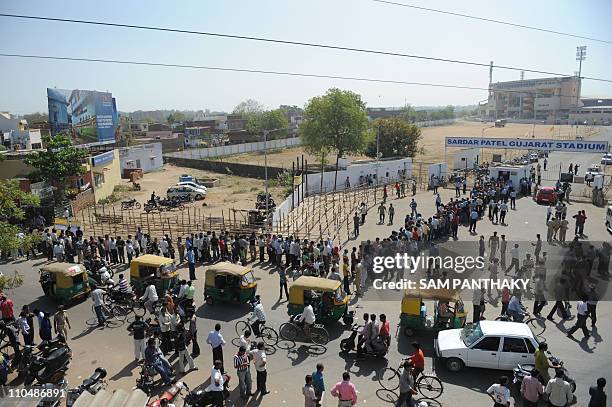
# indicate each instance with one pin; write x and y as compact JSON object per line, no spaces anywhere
{"x":432,"y":141}
{"x":230,"y":190}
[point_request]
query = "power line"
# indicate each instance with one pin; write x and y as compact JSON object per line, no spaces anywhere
{"x":287,"y":42}
{"x":490,"y":20}
{"x":257,"y":71}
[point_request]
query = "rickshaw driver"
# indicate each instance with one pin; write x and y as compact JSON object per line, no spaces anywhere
{"x":150,"y":297}
{"x":445,"y":313}
{"x":326,"y":304}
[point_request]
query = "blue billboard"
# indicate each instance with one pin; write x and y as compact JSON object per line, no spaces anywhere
{"x":87,"y":114}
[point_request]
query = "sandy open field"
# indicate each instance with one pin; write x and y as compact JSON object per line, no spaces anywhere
{"x":432,"y":141}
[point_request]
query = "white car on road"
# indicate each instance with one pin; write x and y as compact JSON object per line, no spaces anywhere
{"x":606,"y":159}
{"x":487,"y":344}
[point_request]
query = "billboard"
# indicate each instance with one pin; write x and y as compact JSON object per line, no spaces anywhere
{"x":87,"y":114}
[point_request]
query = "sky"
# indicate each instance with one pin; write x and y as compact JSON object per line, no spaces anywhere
{"x":351,"y":23}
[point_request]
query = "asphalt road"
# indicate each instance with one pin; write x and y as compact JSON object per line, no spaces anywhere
{"x":112,"y":348}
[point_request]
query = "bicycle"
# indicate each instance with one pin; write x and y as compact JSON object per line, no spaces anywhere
{"x":537,"y":325}
{"x":115,"y":315}
{"x":428,"y":385}
{"x":267,"y":334}
{"x":290,"y":330}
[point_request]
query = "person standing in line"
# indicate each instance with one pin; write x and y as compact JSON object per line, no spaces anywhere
{"x":503,"y":210}
{"x":318,"y":384}
{"x":61,"y":323}
{"x":513,"y":199}
{"x":138,"y":328}
{"x":121,"y":249}
{"x":180,"y":246}
{"x":356,"y":225}
{"x":473,"y":220}
{"x":593,"y":298}
{"x":282,"y":278}
{"x":310,"y":399}
{"x":582,"y":312}
{"x":359,"y":273}
{"x":382,"y":211}
{"x":597,"y":393}
{"x":493,"y":244}
{"x":192,"y":263}
{"x":503,"y":244}
{"x":500,"y":393}
{"x":345,"y":391}
{"x":438,"y":202}
{"x":391,"y":213}
{"x":216,"y":342}
{"x":98,"y":301}
{"x":457,"y":188}
{"x":364,"y":212}
{"x":558,"y":391}
{"x":414,"y":188}
{"x":538,"y":248}
{"x":563,"y":226}
{"x":260,"y":362}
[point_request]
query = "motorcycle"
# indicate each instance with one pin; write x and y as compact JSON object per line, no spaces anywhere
{"x":147,"y":379}
{"x":131,"y":204}
{"x":99,"y":271}
{"x":93,"y":384}
{"x":378,"y":348}
{"x":151,"y":206}
{"x":47,"y":347}
{"x":49,"y":369}
{"x":524,"y":370}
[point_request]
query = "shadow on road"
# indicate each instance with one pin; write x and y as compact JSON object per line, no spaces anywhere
{"x":126,"y":371}
{"x":222,"y":312}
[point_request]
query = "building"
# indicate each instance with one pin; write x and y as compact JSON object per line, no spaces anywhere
{"x":202,"y":137}
{"x":593,"y":111}
{"x":15,"y":134}
{"x":147,"y":157}
{"x":533,"y":99}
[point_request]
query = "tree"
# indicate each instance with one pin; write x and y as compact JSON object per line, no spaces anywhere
{"x":396,"y":138}
{"x":12,"y":202}
{"x":248,"y":108}
{"x":58,"y":162}
{"x":336,"y":121}
{"x":268,"y":120}
{"x":36,"y":117}
{"x":176,"y":117}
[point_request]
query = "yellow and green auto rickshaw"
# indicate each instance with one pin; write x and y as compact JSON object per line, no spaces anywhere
{"x":229,"y":282}
{"x":445,"y":316}
{"x":64,"y":282}
{"x":328,"y":299}
{"x":150,"y":268}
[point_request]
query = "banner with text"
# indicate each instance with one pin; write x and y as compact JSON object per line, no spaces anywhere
{"x":579,"y":146}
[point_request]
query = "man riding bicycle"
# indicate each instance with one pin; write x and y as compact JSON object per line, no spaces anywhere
{"x":260,"y":315}
{"x":308,"y":318}
{"x":516,"y":310}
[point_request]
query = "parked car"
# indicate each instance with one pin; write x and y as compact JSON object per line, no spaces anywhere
{"x":193,"y":184}
{"x":488,"y":344}
{"x":606,"y":159}
{"x":184,"y":191}
{"x":594,"y":169}
{"x":533,"y":157}
{"x":546,"y":195}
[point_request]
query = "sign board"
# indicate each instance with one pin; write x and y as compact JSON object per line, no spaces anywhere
{"x":102,"y":158}
{"x":578,"y":146}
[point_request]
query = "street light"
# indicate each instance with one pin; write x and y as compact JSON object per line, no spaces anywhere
{"x":580,"y":56}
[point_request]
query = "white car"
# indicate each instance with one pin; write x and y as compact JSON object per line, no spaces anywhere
{"x":594,"y":169}
{"x":183,"y":191}
{"x":533,"y":157}
{"x":606,"y":159}
{"x":488,"y":344}
{"x":193,"y":184}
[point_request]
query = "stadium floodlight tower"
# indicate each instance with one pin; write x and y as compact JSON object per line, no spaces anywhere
{"x":580,"y":56}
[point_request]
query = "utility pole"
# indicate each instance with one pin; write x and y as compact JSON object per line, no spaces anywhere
{"x":377,"y":151}
{"x":580,"y":56}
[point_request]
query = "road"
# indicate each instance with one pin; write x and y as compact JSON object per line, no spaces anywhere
{"x":112,"y":348}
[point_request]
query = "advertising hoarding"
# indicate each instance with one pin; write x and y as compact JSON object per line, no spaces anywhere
{"x":88,"y":114}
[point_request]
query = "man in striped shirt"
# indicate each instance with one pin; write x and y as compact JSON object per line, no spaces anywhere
{"x":242,"y":365}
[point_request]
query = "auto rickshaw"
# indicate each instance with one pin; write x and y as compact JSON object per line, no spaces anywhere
{"x":328,"y":299}
{"x":150,"y":268}
{"x":229,"y":282}
{"x":64,"y":282}
{"x":414,"y":310}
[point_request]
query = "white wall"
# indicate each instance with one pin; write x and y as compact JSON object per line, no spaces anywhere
{"x":150,"y":156}
{"x":221,"y":151}
{"x":469,"y":155}
{"x":440,"y":170}
{"x":387,"y":171}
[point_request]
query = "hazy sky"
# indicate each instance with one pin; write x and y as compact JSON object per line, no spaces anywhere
{"x":352,"y":23}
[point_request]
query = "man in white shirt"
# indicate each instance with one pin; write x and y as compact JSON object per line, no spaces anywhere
{"x":217,"y":381}
{"x":308,"y":318}
{"x":163,"y":246}
{"x":499,"y":393}
{"x":260,"y":360}
{"x":582,"y":314}
{"x":559,"y":391}
{"x":514,"y":253}
{"x":216,"y":342}
{"x":150,"y":297}
{"x":97,"y":298}
{"x":245,"y":340}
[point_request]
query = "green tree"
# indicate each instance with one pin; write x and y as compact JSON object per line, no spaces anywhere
{"x":176,"y":117}
{"x":12,"y":202}
{"x":336,"y":121}
{"x":268,"y":120}
{"x":248,"y":108}
{"x":58,"y":162}
{"x":396,"y":138}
